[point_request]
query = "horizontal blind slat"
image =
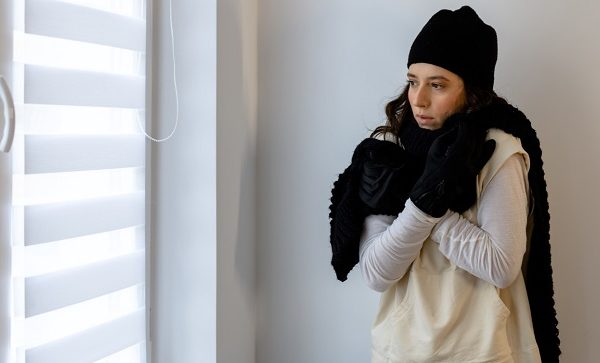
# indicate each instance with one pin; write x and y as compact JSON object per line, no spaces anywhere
{"x":58,"y":289}
{"x":92,"y":344}
{"x":57,"y":153}
{"x":56,"y":86}
{"x":69,"y":21}
{"x":57,"y":221}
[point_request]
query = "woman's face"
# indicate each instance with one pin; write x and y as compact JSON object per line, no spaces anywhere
{"x":434,"y":94}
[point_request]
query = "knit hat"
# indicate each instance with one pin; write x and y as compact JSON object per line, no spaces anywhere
{"x":460,"y":42}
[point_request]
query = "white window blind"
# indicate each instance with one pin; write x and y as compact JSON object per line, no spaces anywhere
{"x":78,"y":253}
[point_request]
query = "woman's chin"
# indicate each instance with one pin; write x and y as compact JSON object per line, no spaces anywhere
{"x":428,"y":126}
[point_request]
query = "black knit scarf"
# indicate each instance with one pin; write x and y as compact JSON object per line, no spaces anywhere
{"x":347,"y":215}
{"x":416,"y":140}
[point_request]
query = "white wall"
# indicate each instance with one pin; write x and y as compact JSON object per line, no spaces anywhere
{"x":236,"y":175}
{"x":183,"y":241}
{"x":326,"y":70}
{"x":204,"y":290}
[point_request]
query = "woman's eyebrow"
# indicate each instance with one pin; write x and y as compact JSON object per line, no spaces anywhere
{"x":410,"y":75}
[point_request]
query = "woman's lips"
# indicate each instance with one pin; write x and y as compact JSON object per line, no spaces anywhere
{"x":424,"y":118}
{"x":425,"y":121}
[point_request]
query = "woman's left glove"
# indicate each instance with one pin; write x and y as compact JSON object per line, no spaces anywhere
{"x":453,"y":162}
{"x":475,"y":151}
{"x":432,"y":191}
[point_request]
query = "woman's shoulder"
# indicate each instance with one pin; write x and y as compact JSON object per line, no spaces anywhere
{"x":507,"y":145}
{"x":386,"y":136}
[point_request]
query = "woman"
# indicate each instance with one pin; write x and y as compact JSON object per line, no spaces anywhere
{"x":449,"y":207}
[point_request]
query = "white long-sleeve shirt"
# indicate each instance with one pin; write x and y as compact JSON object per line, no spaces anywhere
{"x":492,"y":250}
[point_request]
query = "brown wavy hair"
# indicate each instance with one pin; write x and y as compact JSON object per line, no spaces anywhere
{"x":398,"y":110}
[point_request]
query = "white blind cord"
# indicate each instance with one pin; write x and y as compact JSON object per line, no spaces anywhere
{"x":174,"y":85}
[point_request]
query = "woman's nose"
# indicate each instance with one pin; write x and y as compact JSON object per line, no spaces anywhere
{"x":421,"y":97}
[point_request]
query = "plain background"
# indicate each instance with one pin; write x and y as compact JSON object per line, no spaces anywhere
{"x":298,"y":84}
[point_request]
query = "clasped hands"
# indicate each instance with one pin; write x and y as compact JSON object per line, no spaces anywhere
{"x":448,"y":180}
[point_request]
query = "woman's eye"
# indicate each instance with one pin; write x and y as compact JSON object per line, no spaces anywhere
{"x":437,"y":85}
{"x":410,"y":82}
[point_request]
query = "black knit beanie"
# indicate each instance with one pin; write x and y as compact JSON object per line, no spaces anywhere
{"x":460,"y":42}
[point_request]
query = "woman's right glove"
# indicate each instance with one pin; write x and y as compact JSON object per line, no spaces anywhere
{"x":386,"y":179}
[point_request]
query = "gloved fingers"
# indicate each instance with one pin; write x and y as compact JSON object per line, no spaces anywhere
{"x":441,"y":147}
{"x":375,"y":182}
{"x":367,"y":193}
{"x":383,"y":192}
{"x":375,"y":175}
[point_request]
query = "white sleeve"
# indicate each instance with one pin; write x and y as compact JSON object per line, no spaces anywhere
{"x":494,"y":250}
{"x":389,"y":245}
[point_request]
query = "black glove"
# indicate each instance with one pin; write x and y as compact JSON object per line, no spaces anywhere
{"x":386,"y":178}
{"x":430,"y":191}
{"x":453,"y":162}
{"x":476,"y":152}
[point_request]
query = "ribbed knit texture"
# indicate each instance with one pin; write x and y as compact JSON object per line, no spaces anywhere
{"x":460,"y":42}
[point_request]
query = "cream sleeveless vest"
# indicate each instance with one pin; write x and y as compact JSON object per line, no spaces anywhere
{"x":440,"y":313}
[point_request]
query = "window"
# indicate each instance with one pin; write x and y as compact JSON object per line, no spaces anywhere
{"x":78,"y":235}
